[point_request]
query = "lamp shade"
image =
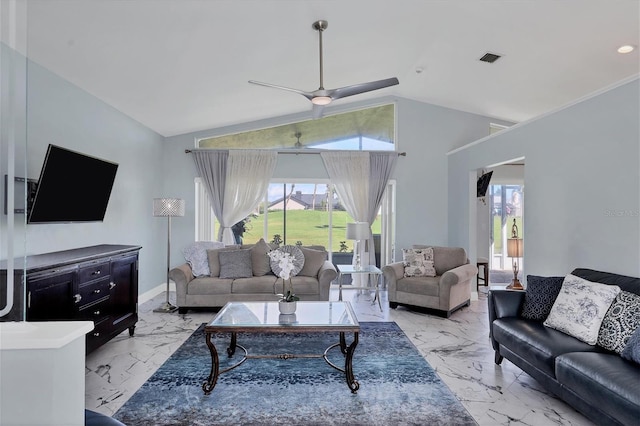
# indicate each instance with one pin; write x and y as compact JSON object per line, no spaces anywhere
{"x":357,"y":231}
{"x":168,"y":207}
{"x":514,"y":247}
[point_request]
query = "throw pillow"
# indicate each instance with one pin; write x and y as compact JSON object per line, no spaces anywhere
{"x":580,"y":308}
{"x":214,"y":260}
{"x":540,"y":295}
{"x":259,"y":258}
{"x":235,"y":264}
{"x":196,"y":256}
{"x":418,"y":262}
{"x":631,"y":352}
{"x":620,"y":322}
{"x":313,"y":261}
{"x":296,"y":255}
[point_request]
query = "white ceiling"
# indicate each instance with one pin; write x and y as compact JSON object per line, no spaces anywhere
{"x":182,"y":65}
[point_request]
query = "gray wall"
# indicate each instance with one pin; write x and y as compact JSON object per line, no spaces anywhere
{"x":426,"y":132}
{"x":582,"y":180}
{"x":62,"y":114}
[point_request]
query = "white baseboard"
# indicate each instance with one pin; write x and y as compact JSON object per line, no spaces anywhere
{"x":159,"y":289}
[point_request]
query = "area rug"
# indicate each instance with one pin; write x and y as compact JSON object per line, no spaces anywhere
{"x":397,"y":385}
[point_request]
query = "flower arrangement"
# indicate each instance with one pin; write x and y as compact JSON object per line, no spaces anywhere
{"x":285,"y":262}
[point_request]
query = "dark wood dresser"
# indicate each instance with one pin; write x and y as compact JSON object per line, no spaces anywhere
{"x":97,"y":283}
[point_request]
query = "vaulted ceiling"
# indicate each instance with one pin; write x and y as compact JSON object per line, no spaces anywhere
{"x":183,"y":65}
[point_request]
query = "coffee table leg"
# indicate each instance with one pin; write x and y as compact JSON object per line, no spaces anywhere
{"x":348,"y":363}
{"x":232,"y":346}
{"x":208,"y":386}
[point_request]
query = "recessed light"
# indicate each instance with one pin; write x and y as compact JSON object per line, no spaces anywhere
{"x":627,"y":48}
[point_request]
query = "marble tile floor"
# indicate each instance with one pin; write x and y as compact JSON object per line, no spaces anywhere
{"x":458,"y":348}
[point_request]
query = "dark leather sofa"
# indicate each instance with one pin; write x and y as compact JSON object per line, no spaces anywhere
{"x":597,"y":382}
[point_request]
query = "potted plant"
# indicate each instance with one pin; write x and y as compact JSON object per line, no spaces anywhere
{"x":287,"y":303}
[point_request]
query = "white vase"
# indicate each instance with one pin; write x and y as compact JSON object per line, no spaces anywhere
{"x":287,"y":307}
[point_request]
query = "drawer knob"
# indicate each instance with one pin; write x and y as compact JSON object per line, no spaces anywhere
{"x":96,"y":291}
{"x":96,"y":272}
{"x":96,"y":334}
{"x":77,"y":298}
{"x":112,"y":285}
{"x":96,"y":313}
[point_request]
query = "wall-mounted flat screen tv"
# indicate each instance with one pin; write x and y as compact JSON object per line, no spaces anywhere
{"x":73,"y":187}
{"x":483,"y":184}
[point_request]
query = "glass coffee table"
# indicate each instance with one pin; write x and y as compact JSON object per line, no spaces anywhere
{"x":264,"y":317}
{"x":370,"y":271}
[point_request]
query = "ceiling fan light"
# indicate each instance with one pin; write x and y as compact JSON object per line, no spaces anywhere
{"x":321,"y":100}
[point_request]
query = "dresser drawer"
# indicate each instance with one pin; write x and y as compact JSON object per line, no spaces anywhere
{"x":92,"y":292}
{"x":92,"y":272}
{"x":99,"y":335}
{"x":95,"y":312}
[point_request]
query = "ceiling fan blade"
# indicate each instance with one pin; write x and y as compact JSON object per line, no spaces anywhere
{"x":307,"y":95}
{"x":317,"y":111}
{"x":356,"y":89}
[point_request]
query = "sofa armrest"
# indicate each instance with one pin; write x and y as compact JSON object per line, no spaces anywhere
{"x":392,"y":273}
{"x":457,"y":275}
{"x":326,"y":275}
{"x":503,"y":304}
{"x":181,"y":275}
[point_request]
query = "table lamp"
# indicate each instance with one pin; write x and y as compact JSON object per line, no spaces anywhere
{"x":168,"y":207}
{"x":514,"y":250}
{"x":357,"y":231}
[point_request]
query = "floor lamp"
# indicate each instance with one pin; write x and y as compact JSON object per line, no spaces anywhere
{"x":168,"y":207}
{"x":357,"y":231}
{"x":514,"y":250}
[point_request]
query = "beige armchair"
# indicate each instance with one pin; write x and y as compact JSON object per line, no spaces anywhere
{"x":448,"y":291}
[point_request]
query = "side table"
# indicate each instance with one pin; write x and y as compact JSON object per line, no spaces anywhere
{"x":367,"y":269}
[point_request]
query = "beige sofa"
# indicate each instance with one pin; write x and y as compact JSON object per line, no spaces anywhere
{"x":448,"y":291}
{"x":212,"y":291}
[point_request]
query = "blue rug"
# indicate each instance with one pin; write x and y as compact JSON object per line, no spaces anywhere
{"x":397,"y":385}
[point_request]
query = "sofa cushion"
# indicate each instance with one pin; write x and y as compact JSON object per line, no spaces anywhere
{"x":620,"y":322}
{"x":602,"y":380}
{"x":196,"y":256}
{"x":304,"y":285}
{"x":540,"y":295}
{"x":631,"y":351}
{"x":209,"y":285}
{"x":265,"y":284}
{"x":538,"y":344}
{"x":313,"y":261}
{"x":427,"y":286}
{"x":260,"y":264}
{"x":418,"y":262}
{"x":296,"y":256}
{"x":235,"y":263}
{"x":580,"y":308}
{"x":214,"y":260}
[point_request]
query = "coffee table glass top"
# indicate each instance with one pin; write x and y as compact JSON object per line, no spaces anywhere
{"x":365,"y":269}
{"x":266,"y":314}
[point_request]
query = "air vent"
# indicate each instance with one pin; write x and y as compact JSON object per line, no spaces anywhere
{"x":490,"y":57}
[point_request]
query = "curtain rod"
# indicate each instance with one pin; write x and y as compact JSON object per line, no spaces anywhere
{"x":400,"y":154}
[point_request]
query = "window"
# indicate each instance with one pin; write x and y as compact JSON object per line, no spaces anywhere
{"x":370,"y":129}
{"x":506,"y":203}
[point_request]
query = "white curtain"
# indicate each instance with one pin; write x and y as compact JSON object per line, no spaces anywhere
{"x":360,"y":179}
{"x":236,"y":181}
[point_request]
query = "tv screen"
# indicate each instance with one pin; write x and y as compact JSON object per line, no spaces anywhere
{"x":73,"y":187}
{"x":483,"y":184}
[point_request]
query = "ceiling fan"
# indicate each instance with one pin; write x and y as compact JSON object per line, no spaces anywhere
{"x":321,"y":97}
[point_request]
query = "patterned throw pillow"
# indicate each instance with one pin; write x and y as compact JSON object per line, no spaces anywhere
{"x":196,"y":256}
{"x":580,"y":308}
{"x":235,"y":264}
{"x":631,"y":352}
{"x":298,"y":260}
{"x":418,"y":262}
{"x":540,"y":295}
{"x":620,"y":322}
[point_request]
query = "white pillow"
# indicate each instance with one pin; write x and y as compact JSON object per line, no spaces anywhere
{"x":580,"y":308}
{"x":418,"y":262}
{"x":196,"y":256}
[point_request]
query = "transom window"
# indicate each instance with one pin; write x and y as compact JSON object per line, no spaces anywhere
{"x":370,"y":129}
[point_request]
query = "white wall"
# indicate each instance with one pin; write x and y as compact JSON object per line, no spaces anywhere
{"x":425,"y":132}
{"x":582,"y":179}
{"x":62,"y":114}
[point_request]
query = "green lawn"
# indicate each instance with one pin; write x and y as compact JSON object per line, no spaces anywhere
{"x":308,"y":226}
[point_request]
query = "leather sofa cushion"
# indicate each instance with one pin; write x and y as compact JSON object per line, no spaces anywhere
{"x":538,"y":344}
{"x":427,"y":286}
{"x":603,"y":380}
